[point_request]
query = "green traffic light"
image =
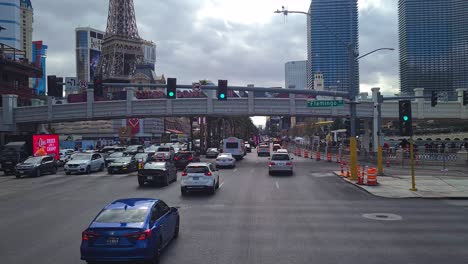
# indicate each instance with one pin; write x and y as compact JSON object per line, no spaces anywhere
{"x":171,"y":94}
{"x":405,"y":118}
{"x":222,"y":96}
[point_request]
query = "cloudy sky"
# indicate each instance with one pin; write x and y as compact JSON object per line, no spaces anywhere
{"x":242,"y":41}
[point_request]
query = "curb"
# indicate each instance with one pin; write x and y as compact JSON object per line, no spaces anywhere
{"x":337,"y":173}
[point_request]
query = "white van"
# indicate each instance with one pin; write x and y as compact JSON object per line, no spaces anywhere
{"x":234,"y":146}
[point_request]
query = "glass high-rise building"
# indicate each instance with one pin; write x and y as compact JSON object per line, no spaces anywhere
{"x":88,"y":52}
{"x":295,"y":75}
{"x":10,"y":21}
{"x":433,"y":45}
{"x":331,"y":27}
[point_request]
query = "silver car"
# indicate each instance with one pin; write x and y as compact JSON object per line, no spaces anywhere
{"x":280,"y":162}
{"x":225,"y":160}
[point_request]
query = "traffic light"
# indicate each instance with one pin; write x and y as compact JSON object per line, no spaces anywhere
{"x":171,"y":88}
{"x":465,"y":98}
{"x":434,"y":98}
{"x":98,"y":88}
{"x":52,"y":86}
{"x":405,"y":118}
{"x":222,"y":90}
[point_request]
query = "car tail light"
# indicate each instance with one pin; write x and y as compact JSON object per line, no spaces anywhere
{"x":86,"y":235}
{"x":140,"y":235}
{"x":271,"y":164}
{"x":184,"y":173}
{"x":176,"y":158}
{"x":288,"y":163}
{"x":208,"y":173}
{"x":190,"y":158}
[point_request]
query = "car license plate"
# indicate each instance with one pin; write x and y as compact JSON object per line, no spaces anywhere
{"x":149,"y":177}
{"x":196,"y":178}
{"x":112,"y":241}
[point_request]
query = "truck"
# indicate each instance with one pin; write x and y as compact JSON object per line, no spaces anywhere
{"x":12,"y":154}
{"x":235,"y":146}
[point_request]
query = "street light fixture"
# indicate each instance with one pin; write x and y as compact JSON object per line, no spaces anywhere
{"x":353,"y":91}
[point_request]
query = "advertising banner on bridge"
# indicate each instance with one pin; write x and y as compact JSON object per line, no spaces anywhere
{"x":46,"y":145}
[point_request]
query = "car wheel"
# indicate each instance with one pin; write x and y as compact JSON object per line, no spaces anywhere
{"x":67,"y":173}
{"x":176,"y":230}
{"x":270,"y":173}
{"x":213,"y":190}
{"x":183,"y":191}
{"x":101,"y":168}
{"x":38,"y":173}
{"x":109,"y":172}
{"x":54,"y":171}
{"x":18,"y":176}
{"x":88,"y":170}
{"x":141,"y":181}
{"x":166,"y":180}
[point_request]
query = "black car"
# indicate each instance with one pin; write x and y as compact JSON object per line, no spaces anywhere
{"x":123,"y":165}
{"x":36,"y":166}
{"x":183,"y":158}
{"x":212,"y":153}
{"x":114,"y":156}
{"x":134,"y":149}
{"x":157,"y":172}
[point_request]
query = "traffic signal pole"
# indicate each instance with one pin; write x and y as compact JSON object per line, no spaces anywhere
{"x":353,"y":155}
{"x":413,"y":176}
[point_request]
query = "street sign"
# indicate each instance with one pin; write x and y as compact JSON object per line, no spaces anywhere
{"x":196,"y":87}
{"x":325,"y":103}
{"x":83,"y":84}
{"x":71,"y":83}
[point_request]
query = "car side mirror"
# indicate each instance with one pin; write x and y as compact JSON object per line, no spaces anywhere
{"x":292,"y":158}
{"x":174,"y":210}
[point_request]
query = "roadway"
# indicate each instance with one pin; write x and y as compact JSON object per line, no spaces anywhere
{"x":311,"y":217}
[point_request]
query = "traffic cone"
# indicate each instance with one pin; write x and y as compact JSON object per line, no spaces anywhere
{"x":342,"y":169}
{"x":317,"y":156}
{"x":347,"y":170}
{"x":388,"y":163}
{"x":306,"y":154}
{"x":329,"y":157}
{"x":300,"y":152}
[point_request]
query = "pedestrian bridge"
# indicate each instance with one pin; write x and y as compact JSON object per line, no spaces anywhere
{"x":13,"y":116}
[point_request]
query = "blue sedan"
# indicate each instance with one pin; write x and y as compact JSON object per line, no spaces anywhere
{"x":130,"y":230}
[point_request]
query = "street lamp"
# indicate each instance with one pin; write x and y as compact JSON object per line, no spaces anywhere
{"x":353,"y":54}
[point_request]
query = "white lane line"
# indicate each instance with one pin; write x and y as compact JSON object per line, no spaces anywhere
{"x":277,"y":185}
{"x":221,"y":185}
{"x":235,"y":169}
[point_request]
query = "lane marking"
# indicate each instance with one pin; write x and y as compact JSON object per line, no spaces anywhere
{"x":235,"y":169}
{"x":277,"y":185}
{"x":221,"y":185}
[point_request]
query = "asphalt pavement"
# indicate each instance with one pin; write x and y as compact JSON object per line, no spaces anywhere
{"x":310,"y":217}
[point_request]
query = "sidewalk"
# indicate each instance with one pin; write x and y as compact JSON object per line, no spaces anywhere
{"x":397,"y":186}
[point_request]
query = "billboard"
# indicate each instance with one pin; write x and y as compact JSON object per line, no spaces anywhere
{"x":46,"y":145}
{"x":94,"y":57}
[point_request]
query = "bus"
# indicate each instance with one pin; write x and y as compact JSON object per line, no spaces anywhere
{"x":235,"y":146}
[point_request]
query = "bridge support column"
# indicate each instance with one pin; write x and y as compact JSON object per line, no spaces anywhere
{"x":130,"y":98}
{"x":251,"y":99}
{"x":89,"y":103}
{"x":9,"y":102}
{"x":463,"y":108}
{"x":420,"y":103}
{"x":292,"y":104}
{"x":375,"y":130}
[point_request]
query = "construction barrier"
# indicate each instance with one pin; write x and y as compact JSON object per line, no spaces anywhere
{"x":299,"y":152}
{"x":306,"y":154}
{"x":329,"y":157}
{"x":362,"y":179}
{"x":372,"y":177}
{"x":317,"y":156}
{"x":342,"y":169}
{"x":347,"y":170}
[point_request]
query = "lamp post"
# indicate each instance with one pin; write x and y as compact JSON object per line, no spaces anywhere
{"x":353,"y":57}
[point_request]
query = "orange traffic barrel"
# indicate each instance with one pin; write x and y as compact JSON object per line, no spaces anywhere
{"x":372,"y":177}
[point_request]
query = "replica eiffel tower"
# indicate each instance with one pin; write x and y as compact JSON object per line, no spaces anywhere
{"x":122,"y":48}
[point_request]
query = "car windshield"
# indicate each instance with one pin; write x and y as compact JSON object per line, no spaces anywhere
{"x":225,"y":155}
{"x":166,"y":149}
{"x":155,"y":165}
{"x":81,"y":157}
{"x":212,"y":150}
{"x":280,"y":157}
{"x":122,"y":215}
{"x":116,"y":155}
{"x":34,"y":160}
{"x":132,"y":148}
{"x":183,"y":155}
{"x":124,"y":159}
{"x":141,"y":156}
{"x":196,"y":169}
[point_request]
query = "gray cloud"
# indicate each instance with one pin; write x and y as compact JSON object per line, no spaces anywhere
{"x":191,"y":48}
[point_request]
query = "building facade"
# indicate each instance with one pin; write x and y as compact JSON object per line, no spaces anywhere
{"x":433,"y":38}
{"x":331,"y":27}
{"x":295,"y":75}
{"x":10,"y":23}
{"x":26,"y":15}
{"x":39,"y":51}
{"x":149,"y":53}
{"x":88,"y":52}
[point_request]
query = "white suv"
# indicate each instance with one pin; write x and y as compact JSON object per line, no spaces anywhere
{"x":199,"y":176}
{"x":84,"y":163}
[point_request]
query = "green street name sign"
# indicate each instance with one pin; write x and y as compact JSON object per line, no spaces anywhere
{"x":325,"y":103}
